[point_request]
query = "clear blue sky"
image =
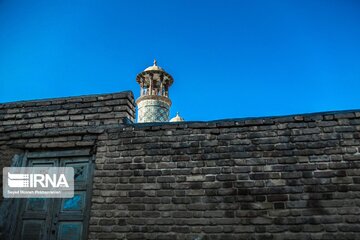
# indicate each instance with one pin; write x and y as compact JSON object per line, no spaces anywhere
{"x":229,"y":59}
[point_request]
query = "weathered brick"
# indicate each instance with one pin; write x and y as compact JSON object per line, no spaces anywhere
{"x":227,"y":177}
{"x":291,"y":174}
{"x":166,"y":179}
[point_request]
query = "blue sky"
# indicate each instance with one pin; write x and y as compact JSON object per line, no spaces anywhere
{"x":229,"y":58}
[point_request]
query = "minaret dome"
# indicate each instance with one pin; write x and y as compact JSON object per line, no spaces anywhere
{"x":177,"y":118}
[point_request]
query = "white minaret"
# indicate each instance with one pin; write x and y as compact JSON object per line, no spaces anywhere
{"x":154,"y":103}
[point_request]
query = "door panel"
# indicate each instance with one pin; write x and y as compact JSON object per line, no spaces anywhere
{"x":47,"y":162}
{"x":36,"y":212}
{"x":33,"y":230}
{"x":37,"y":208}
{"x":75,"y":204}
{"x":37,"y":204}
{"x":70,"y":231}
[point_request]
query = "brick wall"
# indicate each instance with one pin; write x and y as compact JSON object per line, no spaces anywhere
{"x":60,"y":122}
{"x":295,"y":177}
{"x":92,"y":110}
{"x":51,"y":124}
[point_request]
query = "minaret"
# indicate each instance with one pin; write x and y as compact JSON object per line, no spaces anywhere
{"x":154,"y":103}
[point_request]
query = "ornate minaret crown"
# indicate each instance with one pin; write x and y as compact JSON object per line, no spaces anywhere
{"x":154,"y":103}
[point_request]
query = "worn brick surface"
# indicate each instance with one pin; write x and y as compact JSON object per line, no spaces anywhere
{"x":292,"y":177}
{"x":92,"y":110}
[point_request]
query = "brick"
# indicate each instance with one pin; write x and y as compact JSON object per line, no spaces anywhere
{"x":275,"y":182}
{"x":211,"y":185}
{"x":107,"y":222}
{"x":277,"y":198}
{"x":152,"y":173}
{"x":136,"y":207}
{"x":291,"y":175}
{"x":215,"y":170}
{"x":196,"y":178}
{"x":227,"y":177}
{"x":212,"y":229}
{"x":166,"y":179}
{"x":179,"y":229}
{"x":137,"y":194}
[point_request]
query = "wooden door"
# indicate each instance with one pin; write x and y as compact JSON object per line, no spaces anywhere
{"x":58,"y":218}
